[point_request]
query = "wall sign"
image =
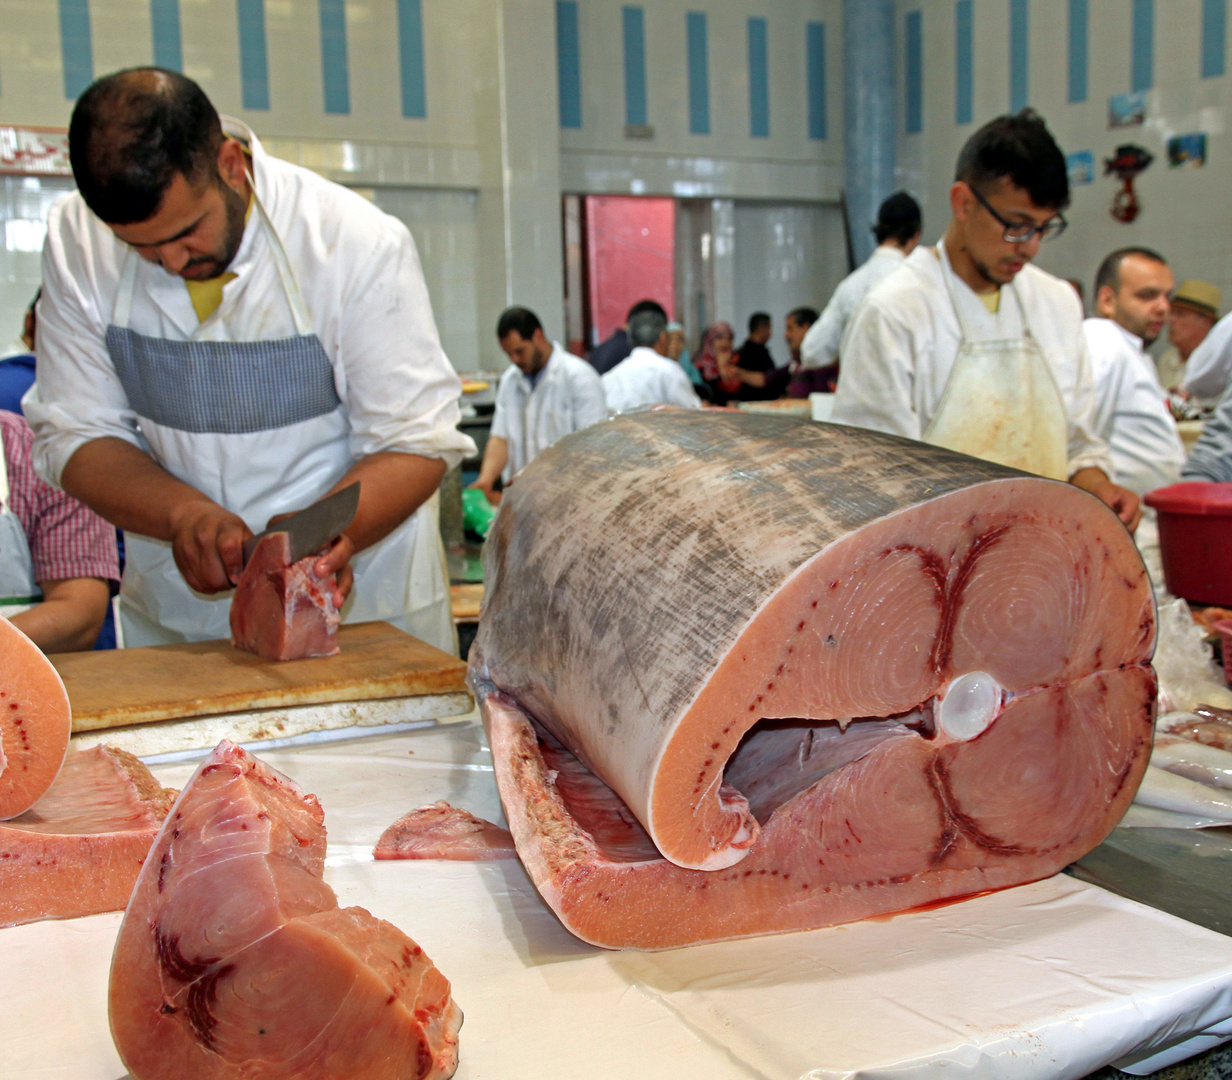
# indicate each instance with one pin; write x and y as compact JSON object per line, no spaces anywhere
{"x":31,"y":151}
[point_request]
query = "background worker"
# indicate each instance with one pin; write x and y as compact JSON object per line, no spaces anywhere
{"x":897,"y":232}
{"x":1193,"y":313}
{"x":545,"y":395}
{"x":1131,"y":296}
{"x":17,"y":364}
{"x":751,"y":374}
{"x":223,"y":338}
{"x":607,"y":354}
{"x":647,"y":376}
{"x":971,"y":347}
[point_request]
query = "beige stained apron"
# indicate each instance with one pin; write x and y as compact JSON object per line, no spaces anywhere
{"x":1001,"y":401}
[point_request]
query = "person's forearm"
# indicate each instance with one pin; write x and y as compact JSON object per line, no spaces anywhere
{"x":752,"y":378}
{"x":128,"y":487}
{"x":70,"y":616}
{"x":392,"y":487}
{"x":495,"y":458}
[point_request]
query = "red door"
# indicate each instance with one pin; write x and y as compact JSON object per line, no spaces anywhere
{"x":630,"y":249}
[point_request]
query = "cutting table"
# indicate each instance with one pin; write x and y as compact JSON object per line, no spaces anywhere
{"x":1050,"y":980}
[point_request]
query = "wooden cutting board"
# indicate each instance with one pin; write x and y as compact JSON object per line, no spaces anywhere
{"x":163,"y":682}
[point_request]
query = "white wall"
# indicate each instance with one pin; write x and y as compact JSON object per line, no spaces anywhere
{"x":1186,"y":213}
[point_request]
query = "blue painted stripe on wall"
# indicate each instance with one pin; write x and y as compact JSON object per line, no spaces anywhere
{"x":411,"y":59}
{"x":964,"y":63}
{"x":699,"y":73}
{"x":817,"y":104}
{"x":165,"y":30}
{"x":635,"y":65}
{"x":254,"y":62}
{"x":1018,"y":55}
{"x":1079,"y":23}
{"x":568,"y":64}
{"x":334,"y":74}
{"x":759,"y":79}
{"x":1214,"y":37}
{"x":1142,"y":76}
{"x":914,"y":56}
{"x":76,"y":49}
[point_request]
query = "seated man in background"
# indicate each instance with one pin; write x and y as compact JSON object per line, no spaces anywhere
{"x":607,"y":354}
{"x":646,"y":376}
{"x":546,"y":394}
{"x":57,"y":557}
{"x":805,"y":381}
{"x":752,"y":375}
{"x":1131,"y":297}
{"x":1195,"y":309}
{"x":17,"y":363}
{"x":1211,"y":457}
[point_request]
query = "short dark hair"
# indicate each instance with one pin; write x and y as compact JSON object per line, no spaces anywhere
{"x":130,"y":134}
{"x":803,"y":316}
{"x":646,"y":327}
{"x":1109,"y":272}
{"x":521,"y":319}
{"x":1018,"y":146}
{"x":898,"y":219}
{"x":643,"y":306}
{"x":757,"y":320}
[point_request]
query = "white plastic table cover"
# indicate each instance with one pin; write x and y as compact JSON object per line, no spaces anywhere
{"x":1049,"y":980}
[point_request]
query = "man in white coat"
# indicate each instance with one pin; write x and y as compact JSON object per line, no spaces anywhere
{"x":897,"y":232}
{"x":1131,"y":296}
{"x":225,"y":337}
{"x":647,"y":376}
{"x":545,"y":395}
{"x":969,"y":346}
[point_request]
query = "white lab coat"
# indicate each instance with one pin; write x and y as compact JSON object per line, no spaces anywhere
{"x":1209,"y":366}
{"x":358,"y":275}
{"x":901,"y":344}
{"x":567,"y":396}
{"x":821,"y":344}
{"x":646,"y":378}
{"x":1130,"y":414}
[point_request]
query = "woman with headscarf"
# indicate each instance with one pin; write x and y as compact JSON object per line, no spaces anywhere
{"x":714,"y":362}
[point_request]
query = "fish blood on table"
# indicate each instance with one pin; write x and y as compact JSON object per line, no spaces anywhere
{"x":281,"y":609}
{"x":746,"y":674}
{"x":235,"y":961}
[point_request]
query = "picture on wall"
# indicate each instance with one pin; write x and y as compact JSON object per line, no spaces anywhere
{"x":1081,"y":167}
{"x":1187,"y":150}
{"x":1127,"y":110}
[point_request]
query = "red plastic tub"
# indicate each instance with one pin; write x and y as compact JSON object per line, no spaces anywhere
{"x":1195,"y":540}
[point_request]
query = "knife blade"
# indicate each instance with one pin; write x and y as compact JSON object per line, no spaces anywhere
{"x":315,"y":526}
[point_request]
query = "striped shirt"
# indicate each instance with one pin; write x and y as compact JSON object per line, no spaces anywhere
{"x":67,"y":539}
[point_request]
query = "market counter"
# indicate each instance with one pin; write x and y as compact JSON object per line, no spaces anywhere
{"x":1050,"y":980}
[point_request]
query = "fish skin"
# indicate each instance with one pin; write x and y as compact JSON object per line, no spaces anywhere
{"x":1167,"y":791}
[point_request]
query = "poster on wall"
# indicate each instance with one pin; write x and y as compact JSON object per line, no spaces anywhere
{"x":1127,"y":110}
{"x":28,"y":151}
{"x":1081,"y":167}
{"x":1187,"y":150}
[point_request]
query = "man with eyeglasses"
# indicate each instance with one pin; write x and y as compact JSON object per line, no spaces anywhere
{"x":970,"y":347}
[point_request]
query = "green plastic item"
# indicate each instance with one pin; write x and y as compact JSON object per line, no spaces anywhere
{"x":477,"y":513}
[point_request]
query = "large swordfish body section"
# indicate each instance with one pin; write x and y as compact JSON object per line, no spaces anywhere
{"x":735,"y":620}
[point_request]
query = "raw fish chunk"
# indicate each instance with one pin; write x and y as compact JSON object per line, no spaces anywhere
{"x":441,"y":831}
{"x":235,"y":961}
{"x":35,"y":722}
{"x":79,"y":849}
{"x":281,"y":609}
{"x":745,"y":674}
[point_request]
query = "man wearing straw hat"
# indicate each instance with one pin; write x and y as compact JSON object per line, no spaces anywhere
{"x":1195,"y":309}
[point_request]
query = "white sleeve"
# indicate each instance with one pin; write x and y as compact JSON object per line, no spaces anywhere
{"x":1210,"y":364}
{"x":589,"y":403}
{"x":401,"y":393}
{"x":500,"y":417}
{"x":820,"y":344}
{"x":78,"y":396}
{"x":679,"y":388}
{"x":877,"y":380}
{"x":1085,"y":448}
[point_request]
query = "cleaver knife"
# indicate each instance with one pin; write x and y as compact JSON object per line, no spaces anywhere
{"x":312,"y":528}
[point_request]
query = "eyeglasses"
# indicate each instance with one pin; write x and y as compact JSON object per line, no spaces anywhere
{"x":1019,"y":232}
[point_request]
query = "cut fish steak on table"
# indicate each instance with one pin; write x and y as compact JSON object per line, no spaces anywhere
{"x":441,"y":831}
{"x":281,"y":609}
{"x":746,"y":674}
{"x":235,"y":961}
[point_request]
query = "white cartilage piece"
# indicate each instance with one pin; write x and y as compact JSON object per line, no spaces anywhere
{"x":971,"y":702}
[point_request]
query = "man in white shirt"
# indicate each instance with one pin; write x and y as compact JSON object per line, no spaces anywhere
{"x":647,"y":376}
{"x":545,"y":395}
{"x":969,"y":346}
{"x":1131,"y":296}
{"x":1194,"y":312}
{"x":1210,"y":364}
{"x":897,"y":231}
{"x":225,"y":337}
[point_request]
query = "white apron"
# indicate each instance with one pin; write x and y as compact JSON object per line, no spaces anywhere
{"x":258,"y":427}
{"x":1001,"y":401}
{"x":18,"y":590}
